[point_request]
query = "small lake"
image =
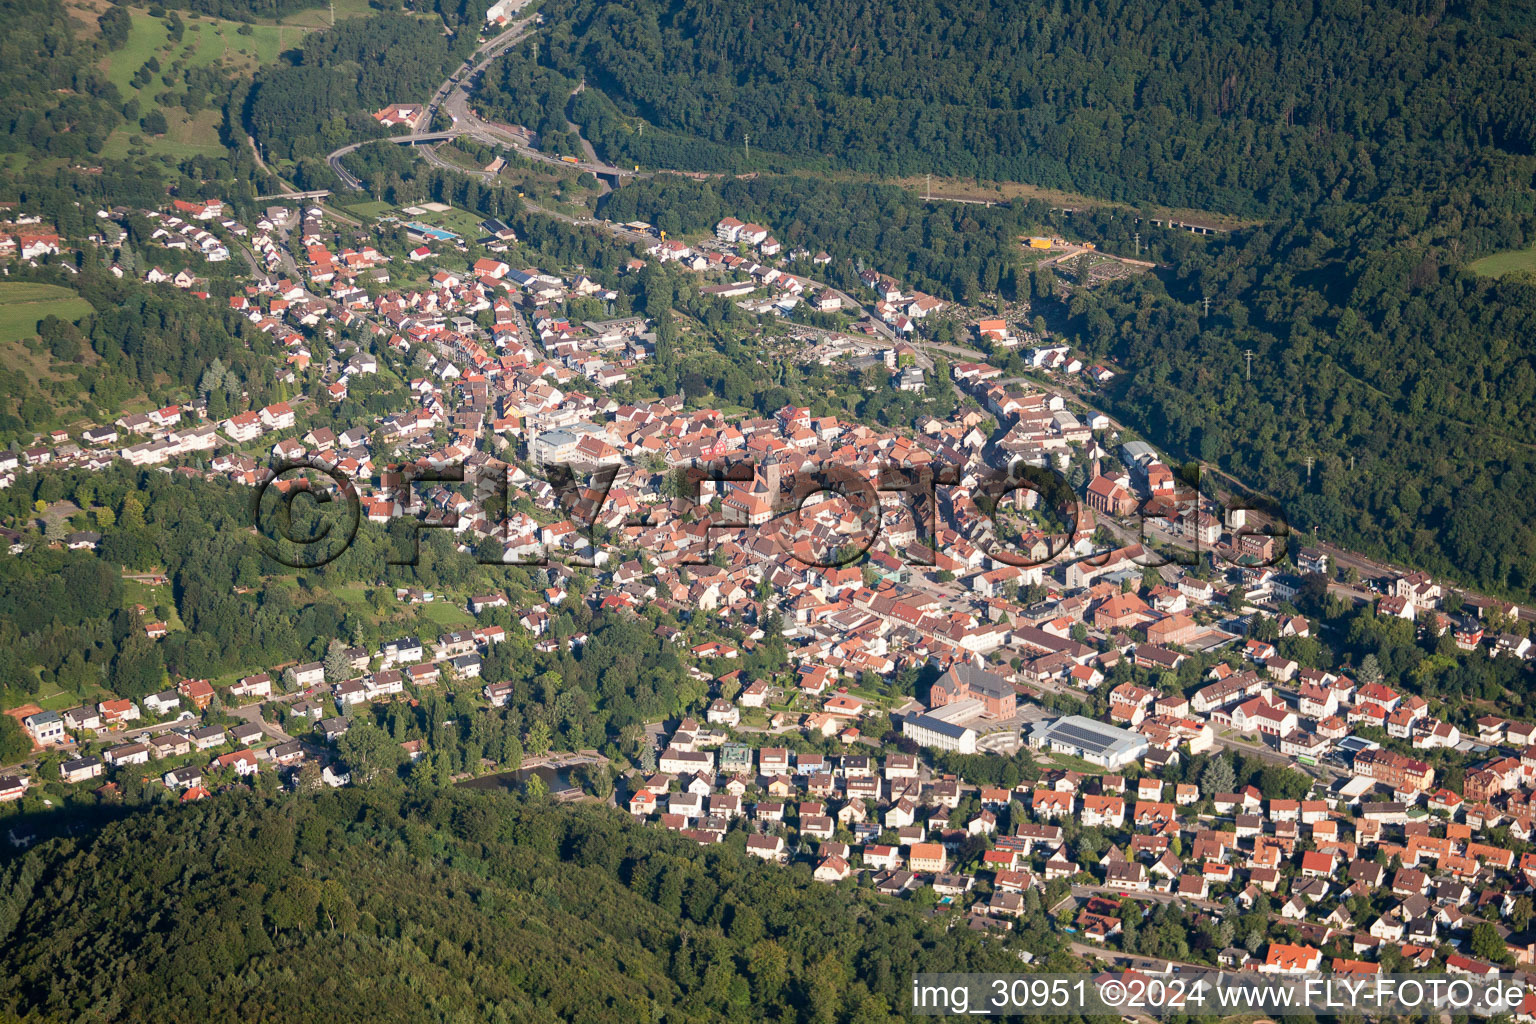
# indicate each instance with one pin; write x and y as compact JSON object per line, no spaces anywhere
{"x":557,"y":779}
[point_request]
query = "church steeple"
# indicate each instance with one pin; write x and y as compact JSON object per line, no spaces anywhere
{"x":768,"y":472}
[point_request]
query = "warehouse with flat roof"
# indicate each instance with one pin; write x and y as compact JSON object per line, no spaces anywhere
{"x":1093,"y":741}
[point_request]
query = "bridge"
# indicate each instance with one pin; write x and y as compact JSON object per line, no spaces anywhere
{"x":318,"y":193}
{"x":481,"y":132}
{"x":1197,"y":229}
{"x":351,"y":181}
{"x":452,"y":97}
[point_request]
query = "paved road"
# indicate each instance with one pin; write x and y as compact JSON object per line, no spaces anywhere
{"x":586,"y":146}
{"x":452,"y":97}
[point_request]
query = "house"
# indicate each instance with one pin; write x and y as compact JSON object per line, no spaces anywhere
{"x":766,"y":847}
{"x":773,"y":761}
{"x":1286,"y":958}
{"x":198,"y":691}
{"x":1193,"y":886}
{"x":1104,"y":811}
{"x":252,"y":686}
{"x":162,"y":703}
{"x":46,"y":728}
{"x":208,"y":737}
{"x":397,"y":114}
{"x":676,"y":762}
{"x":242,"y":761}
{"x":246,"y":733}
{"x":1048,"y":805}
{"x":1127,"y":875}
{"x":288,"y":754}
{"x":183,"y":778}
{"x":723,"y":712}
{"x":119,"y":710}
{"x":128,"y":753}
{"x":926,"y":858}
{"x":80,"y":769}
{"x":84,"y":717}
{"x":1315,"y":864}
{"x":309,"y":674}
{"x":833,"y":869}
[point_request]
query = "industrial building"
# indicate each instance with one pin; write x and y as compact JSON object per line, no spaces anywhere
{"x":1094,"y":742}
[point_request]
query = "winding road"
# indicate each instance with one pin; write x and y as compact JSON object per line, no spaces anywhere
{"x":452,"y":98}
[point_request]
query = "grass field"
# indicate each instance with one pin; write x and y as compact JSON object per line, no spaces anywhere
{"x":369,"y":209}
{"x":445,"y":613}
{"x":187,"y":136}
{"x":320,"y":17}
{"x":205,"y":42}
{"x":57,"y":698}
{"x":24,"y":303}
{"x":1516,"y":261}
{"x":461,"y":222}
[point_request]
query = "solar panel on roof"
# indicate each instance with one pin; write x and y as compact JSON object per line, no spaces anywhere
{"x":1085,"y":737}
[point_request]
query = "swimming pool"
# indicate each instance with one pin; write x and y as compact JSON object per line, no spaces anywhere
{"x":428,"y":231}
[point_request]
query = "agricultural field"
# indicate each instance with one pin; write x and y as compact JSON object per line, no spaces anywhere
{"x":24,"y":303}
{"x":1515,"y":261}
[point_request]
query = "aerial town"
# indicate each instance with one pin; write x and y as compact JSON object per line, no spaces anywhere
{"x":1118,"y":718}
{"x":607,"y":513}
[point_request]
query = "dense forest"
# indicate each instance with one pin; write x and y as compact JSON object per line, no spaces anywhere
{"x":245,"y":10}
{"x":57,"y":102}
{"x":1241,"y":107}
{"x":379,"y":905}
{"x":323,"y":98}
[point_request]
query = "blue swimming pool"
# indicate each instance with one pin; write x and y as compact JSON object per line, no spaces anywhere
{"x":428,"y":231}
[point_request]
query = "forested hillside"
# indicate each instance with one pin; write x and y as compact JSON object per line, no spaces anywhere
{"x":245,"y":10}
{"x":138,"y":340}
{"x":322,"y":99}
{"x":1384,"y":145}
{"x":1244,"y":107}
{"x":55,"y":101}
{"x":375,"y":906}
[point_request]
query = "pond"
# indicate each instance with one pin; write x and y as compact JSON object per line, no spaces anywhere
{"x":557,"y":779}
